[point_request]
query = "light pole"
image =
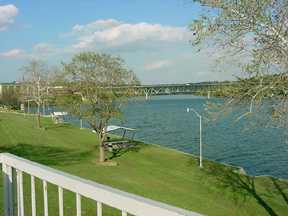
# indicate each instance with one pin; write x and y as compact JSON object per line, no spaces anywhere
{"x":200,"y":134}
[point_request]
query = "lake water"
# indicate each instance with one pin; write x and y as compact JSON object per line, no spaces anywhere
{"x":164,"y":120}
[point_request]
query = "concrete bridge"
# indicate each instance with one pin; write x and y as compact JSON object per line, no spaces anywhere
{"x":173,"y":89}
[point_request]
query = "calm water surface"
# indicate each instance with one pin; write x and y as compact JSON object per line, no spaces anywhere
{"x":163,"y":120}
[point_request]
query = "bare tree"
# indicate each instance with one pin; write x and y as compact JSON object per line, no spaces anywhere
{"x":257,"y":33}
{"x":36,"y":85}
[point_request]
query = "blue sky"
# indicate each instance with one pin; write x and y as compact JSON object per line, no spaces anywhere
{"x":151,"y":36}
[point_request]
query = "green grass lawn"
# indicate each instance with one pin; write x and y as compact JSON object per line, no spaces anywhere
{"x":149,"y":170}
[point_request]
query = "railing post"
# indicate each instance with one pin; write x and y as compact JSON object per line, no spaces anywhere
{"x":99,"y":209}
{"x":8,"y":193}
{"x":78,"y":204}
{"x":20,"y":196}
{"x":33,"y":196}
{"x":45,"y":194}
{"x":60,"y":200}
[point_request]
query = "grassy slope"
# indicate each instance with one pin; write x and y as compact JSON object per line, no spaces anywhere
{"x":154,"y":172}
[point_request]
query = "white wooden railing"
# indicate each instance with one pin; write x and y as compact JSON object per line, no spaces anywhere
{"x":127,"y":203}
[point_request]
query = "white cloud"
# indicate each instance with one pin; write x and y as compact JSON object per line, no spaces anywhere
{"x":96,"y":25}
{"x":7,"y":14}
{"x":13,"y":53}
{"x":43,"y":48}
{"x":157,"y":65}
{"x":115,"y":33}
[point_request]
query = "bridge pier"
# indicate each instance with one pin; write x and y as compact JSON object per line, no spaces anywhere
{"x":147,"y":97}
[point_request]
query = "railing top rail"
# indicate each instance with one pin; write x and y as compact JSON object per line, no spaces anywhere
{"x":113,"y":197}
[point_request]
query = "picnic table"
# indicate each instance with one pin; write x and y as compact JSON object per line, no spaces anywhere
{"x":117,"y":145}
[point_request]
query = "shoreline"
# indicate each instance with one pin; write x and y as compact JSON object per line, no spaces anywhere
{"x":238,"y":167}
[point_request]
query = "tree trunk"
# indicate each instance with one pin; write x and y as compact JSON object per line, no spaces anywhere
{"x":43,"y":108}
{"x":101,"y":147}
{"x":101,"y":154}
{"x":38,"y":117}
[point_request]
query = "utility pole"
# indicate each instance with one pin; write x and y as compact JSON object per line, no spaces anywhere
{"x":200,"y":134}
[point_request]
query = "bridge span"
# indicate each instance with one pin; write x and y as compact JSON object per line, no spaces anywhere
{"x":172,"y":89}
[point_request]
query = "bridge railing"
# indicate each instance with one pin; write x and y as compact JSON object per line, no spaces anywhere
{"x":125,"y":202}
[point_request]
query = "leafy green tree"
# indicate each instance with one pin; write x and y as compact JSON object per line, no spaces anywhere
{"x":255,"y":31}
{"x":99,"y":85}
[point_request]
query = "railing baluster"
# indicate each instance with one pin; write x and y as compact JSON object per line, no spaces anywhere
{"x":8,"y":193}
{"x":10,"y":189}
{"x":33,"y":196}
{"x":78,"y":204}
{"x":45,"y":192}
{"x":124,"y":213}
{"x":22,"y":193}
{"x":99,"y":209}
{"x":60,"y":199}
{"x":20,"y":196}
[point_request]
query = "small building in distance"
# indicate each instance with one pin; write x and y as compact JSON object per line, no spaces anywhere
{"x":9,"y":87}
